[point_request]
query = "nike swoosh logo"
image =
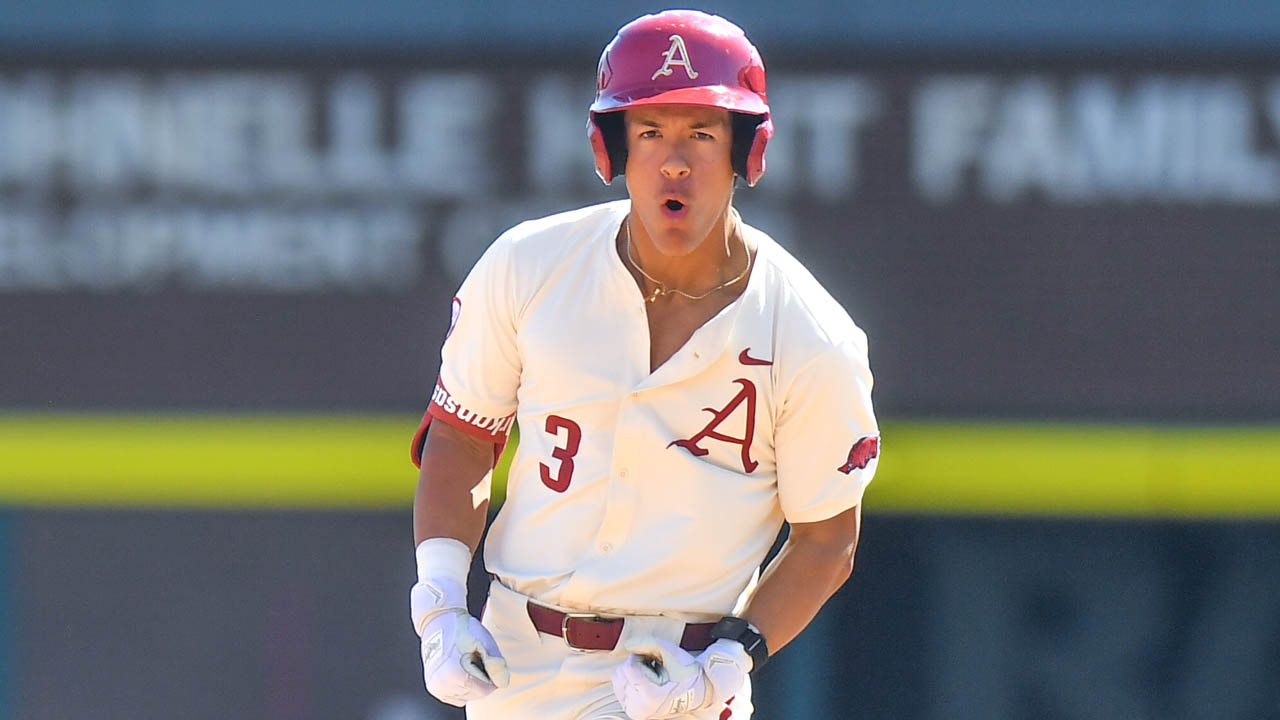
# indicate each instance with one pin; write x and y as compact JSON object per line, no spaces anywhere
{"x":746,"y":359}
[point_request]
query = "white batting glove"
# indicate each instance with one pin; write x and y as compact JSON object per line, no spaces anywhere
{"x":460,"y":659}
{"x":662,"y":680}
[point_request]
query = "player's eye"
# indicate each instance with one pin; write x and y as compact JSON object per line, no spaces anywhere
{"x":698,"y":134}
{"x":649,"y":134}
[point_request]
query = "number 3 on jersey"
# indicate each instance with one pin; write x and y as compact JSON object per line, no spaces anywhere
{"x":565,"y":454}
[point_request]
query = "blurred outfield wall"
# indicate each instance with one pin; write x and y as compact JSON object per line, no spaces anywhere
{"x":1083,"y":242}
{"x":228,"y":246}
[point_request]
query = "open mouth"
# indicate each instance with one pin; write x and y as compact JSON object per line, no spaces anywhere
{"x":674,"y":205}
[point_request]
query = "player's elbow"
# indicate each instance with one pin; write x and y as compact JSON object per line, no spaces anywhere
{"x":834,"y":562}
{"x":842,"y":563}
{"x":830,"y":545}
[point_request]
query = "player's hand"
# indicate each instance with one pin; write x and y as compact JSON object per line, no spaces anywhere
{"x":460,"y":660}
{"x":663,"y":680}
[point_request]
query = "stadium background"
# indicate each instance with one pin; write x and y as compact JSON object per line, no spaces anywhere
{"x":229,"y":235}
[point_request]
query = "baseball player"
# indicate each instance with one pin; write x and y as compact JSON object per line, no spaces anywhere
{"x":683,"y":386}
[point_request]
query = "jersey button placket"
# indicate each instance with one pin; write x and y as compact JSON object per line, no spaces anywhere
{"x":620,"y":503}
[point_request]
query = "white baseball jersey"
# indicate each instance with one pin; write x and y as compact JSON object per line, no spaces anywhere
{"x":638,"y":492}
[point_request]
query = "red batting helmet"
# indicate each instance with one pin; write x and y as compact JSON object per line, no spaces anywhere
{"x":681,"y":57}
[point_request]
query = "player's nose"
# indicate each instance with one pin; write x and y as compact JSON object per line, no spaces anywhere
{"x":675,"y":165}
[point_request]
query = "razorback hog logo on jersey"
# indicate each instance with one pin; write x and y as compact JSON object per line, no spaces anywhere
{"x":861,"y":454}
{"x":675,"y":55}
{"x":748,"y":395}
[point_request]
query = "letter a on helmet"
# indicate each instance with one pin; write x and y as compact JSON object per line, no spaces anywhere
{"x":676,"y":55}
{"x":680,"y":57}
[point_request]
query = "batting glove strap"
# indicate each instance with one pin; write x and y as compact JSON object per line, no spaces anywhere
{"x":443,"y":564}
{"x":736,"y":628}
{"x":443,"y":557}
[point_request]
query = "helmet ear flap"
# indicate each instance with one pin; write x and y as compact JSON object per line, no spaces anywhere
{"x":750,"y":134}
{"x":755,"y":156}
{"x":605,"y":130}
{"x":603,"y":168}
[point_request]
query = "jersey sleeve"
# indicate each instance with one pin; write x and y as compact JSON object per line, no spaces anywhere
{"x":827,"y":441}
{"x":479,"y":361}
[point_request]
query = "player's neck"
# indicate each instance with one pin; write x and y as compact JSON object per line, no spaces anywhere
{"x":721,"y":257}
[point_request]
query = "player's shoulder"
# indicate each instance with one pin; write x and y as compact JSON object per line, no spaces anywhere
{"x":529,"y":256}
{"x":806,"y":311}
{"x":560,"y":234}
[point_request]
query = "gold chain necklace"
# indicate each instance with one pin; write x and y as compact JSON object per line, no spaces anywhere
{"x":661,"y":288}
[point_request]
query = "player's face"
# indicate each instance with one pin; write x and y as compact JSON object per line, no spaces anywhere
{"x":679,"y":174}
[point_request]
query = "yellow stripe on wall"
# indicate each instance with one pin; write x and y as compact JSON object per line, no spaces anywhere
{"x":206,"y":460}
{"x":1069,"y":469}
{"x":362,"y":461}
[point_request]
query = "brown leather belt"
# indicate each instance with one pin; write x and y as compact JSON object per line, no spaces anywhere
{"x":588,"y":631}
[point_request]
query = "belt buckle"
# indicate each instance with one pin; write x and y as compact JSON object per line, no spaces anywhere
{"x":564,"y":628}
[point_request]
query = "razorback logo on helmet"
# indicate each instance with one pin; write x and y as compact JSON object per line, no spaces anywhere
{"x":604,"y":74}
{"x":861,"y":454}
{"x":671,"y":58}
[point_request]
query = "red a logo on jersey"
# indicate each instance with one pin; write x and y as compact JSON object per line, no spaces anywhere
{"x":748,"y":395}
{"x":861,"y":454}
